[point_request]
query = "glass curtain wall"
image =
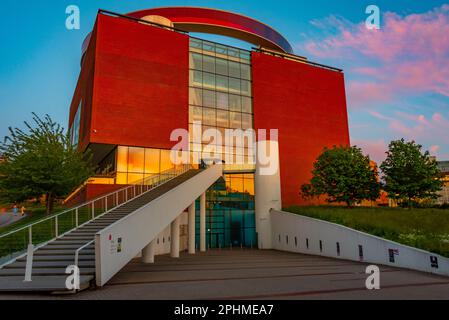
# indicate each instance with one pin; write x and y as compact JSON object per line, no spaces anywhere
{"x":220,"y":97}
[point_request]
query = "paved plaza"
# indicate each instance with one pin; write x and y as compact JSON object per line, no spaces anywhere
{"x":255,"y":274}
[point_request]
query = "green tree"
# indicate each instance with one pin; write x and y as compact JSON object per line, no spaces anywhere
{"x":343,"y":174}
{"x":409,"y":174}
{"x":41,"y":161}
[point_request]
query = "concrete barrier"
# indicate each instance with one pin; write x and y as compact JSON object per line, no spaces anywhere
{"x":296,"y":233}
{"x":120,"y":242}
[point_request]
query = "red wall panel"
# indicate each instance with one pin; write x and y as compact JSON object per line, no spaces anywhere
{"x":308,"y":106}
{"x":84,"y":93}
{"x":140,"y":85}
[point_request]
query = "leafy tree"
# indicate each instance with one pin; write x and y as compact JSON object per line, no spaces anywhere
{"x":409,"y":174}
{"x":343,"y":174}
{"x":41,"y":161}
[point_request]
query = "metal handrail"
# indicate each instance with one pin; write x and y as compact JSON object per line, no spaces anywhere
{"x":79,"y":250}
{"x":140,"y":182}
{"x":137,"y":189}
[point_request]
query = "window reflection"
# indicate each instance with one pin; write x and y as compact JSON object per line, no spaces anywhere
{"x":226,"y":74}
{"x":122,"y":159}
{"x":196,"y":97}
{"x":222,"y":100}
{"x":136,"y":157}
{"x":152,"y":160}
{"x":235,"y":103}
{"x":166,"y":163}
{"x":209,"y":98}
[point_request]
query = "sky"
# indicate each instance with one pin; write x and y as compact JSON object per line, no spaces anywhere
{"x":397,"y":77}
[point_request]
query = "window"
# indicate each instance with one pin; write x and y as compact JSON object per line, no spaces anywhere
{"x":246,"y":87}
{"x":152,"y":160}
{"x":220,"y":95}
{"x":209,"y":64}
{"x":208,"y":46}
{"x":234,"y":69}
{"x":136,"y":158}
{"x":75,"y":130}
{"x":247,"y":105}
{"x":166,"y":163}
{"x":209,"y":116}
{"x":196,"y":97}
{"x":196,"y":114}
{"x":122,"y":159}
{"x":235,"y":103}
{"x":234,"y":85}
{"x":245,"y":71}
{"x":222,"y":66}
{"x":196,"y":61}
{"x":209,"y":98}
{"x":196,"y":78}
{"x":221,"y":50}
{"x":222,"y":119}
{"x":222,"y":101}
{"x":222,"y":83}
{"x":236,"y":120}
{"x":247,"y":121}
{"x":209,"y":81}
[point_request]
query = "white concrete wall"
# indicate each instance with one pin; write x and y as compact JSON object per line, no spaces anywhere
{"x":375,"y":249}
{"x":267,"y":186}
{"x":139,"y":228}
{"x":162,"y":244}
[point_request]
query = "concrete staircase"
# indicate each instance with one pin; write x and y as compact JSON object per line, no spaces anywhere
{"x":50,"y":261}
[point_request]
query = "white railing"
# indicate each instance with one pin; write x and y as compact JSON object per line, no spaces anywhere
{"x":14,"y":243}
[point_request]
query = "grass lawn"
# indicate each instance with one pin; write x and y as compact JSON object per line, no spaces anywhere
{"x":426,"y":229}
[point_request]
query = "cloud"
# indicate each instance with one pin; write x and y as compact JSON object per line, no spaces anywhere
{"x":374,"y":148}
{"x":431,"y":132}
{"x":408,"y":56}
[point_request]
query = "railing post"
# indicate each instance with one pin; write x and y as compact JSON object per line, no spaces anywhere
{"x":106,"y":204}
{"x":127,"y":194}
{"x":56,"y":226}
{"x":116,"y":199}
{"x":30,"y":234}
{"x":93,"y":209}
{"x":76,"y":217}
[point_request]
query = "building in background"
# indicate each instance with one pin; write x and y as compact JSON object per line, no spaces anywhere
{"x":143,"y":75}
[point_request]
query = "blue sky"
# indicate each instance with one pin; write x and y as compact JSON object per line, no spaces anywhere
{"x":393,"y":91}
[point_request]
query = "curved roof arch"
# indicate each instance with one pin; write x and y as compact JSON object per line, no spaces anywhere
{"x":205,"y":20}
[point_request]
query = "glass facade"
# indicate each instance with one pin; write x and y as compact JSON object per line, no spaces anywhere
{"x":220,"y":98}
{"x":230,"y":215}
{"x":134,"y":164}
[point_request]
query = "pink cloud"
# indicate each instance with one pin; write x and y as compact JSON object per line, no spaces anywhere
{"x":430,"y":132}
{"x":434,"y":149}
{"x":374,"y":148}
{"x":410,"y":55}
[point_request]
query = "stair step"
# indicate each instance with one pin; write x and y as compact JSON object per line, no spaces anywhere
{"x":42,"y":272}
{"x":52,"y":246}
{"x":70,"y":241}
{"x":61,"y":252}
{"x":51,"y":264}
{"x":68,"y":257}
{"x":76,"y":238}
{"x":40,"y":283}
